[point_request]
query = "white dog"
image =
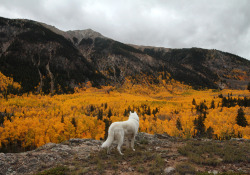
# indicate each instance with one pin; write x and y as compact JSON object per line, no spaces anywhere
{"x":118,"y":131}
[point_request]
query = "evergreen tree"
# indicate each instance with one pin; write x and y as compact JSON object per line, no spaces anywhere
{"x":194,"y":102}
{"x":129,"y":109}
{"x":241,"y":119}
{"x":100,"y":114}
{"x":212,"y":105}
{"x":149,"y":111}
{"x":220,"y":96}
{"x":109,"y":113}
{"x":92,"y":108}
{"x":105,"y":106}
{"x":73,"y":121}
{"x":210,"y":132}
{"x":199,"y":126}
{"x":107,"y":124}
{"x":178,"y":124}
{"x":125,"y":113}
{"x":62,"y":119}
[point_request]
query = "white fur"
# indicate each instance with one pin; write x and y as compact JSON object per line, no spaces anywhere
{"x":118,"y":131}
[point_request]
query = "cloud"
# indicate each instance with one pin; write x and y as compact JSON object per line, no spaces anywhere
{"x":222,"y":25}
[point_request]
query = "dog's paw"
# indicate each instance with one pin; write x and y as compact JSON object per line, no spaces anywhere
{"x":133,"y":149}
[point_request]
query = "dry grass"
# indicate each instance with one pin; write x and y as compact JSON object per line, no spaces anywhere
{"x":214,"y":153}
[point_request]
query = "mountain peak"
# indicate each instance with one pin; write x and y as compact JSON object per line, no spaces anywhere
{"x":84,"y":34}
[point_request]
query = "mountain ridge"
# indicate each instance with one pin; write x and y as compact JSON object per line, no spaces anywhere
{"x":44,"y":58}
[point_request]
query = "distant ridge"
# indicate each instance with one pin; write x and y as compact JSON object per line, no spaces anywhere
{"x":42,"y":57}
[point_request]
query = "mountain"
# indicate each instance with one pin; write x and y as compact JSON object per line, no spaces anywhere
{"x":43,"y":58}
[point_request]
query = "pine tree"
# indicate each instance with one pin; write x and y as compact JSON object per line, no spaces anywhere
{"x":100,"y":114}
{"x":105,"y":106}
{"x":107,"y":124}
{"x":62,"y":119}
{"x":178,"y":124}
{"x":241,"y":119}
{"x":1,"y":118}
{"x":194,"y":102}
{"x":212,"y":105}
{"x":149,"y":111}
{"x":125,"y":113}
{"x":210,"y":132}
{"x":199,"y":126}
{"x":73,"y":121}
{"x":109,"y":113}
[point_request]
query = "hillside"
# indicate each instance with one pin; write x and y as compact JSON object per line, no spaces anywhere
{"x":45,"y":59}
{"x":155,"y":154}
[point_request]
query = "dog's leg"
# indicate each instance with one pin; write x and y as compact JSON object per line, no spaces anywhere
{"x":120,"y":142}
{"x":133,"y":143}
{"x":108,"y":150}
{"x":127,"y":142}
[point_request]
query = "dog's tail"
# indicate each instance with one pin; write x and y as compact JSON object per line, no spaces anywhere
{"x":109,"y":140}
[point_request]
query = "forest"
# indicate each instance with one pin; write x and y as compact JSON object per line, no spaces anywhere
{"x":30,"y":120}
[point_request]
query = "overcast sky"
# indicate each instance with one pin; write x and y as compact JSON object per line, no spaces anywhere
{"x":211,"y":24}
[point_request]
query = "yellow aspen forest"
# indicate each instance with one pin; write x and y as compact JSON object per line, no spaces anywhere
{"x":29,"y":120}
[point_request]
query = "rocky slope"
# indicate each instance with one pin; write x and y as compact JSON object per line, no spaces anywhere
{"x":155,"y":154}
{"x":44,"y":58}
{"x":37,"y":57}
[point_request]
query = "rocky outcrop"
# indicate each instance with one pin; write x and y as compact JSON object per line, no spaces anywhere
{"x":47,"y":156}
{"x":85,"y":155}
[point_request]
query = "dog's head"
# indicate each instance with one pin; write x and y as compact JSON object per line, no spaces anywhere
{"x":134,"y":116}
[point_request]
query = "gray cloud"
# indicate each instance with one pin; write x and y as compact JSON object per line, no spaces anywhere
{"x":222,"y":25}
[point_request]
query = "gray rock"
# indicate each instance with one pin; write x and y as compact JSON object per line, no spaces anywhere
{"x":47,"y":156}
{"x":169,"y":170}
{"x":213,"y":172}
{"x":130,"y":169}
{"x":59,"y":148}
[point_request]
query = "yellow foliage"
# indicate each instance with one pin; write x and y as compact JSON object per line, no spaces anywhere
{"x":39,"y":119}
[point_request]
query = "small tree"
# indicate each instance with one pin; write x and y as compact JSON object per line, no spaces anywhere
{"x":100,"y":114}
{"x":241,"y":119}
{"x":178,"y":124}
{"x":194,"y":102}
{"x":212,"y":105}
{"x":210,"y":132}
{"x":149,"y":111}
{"x":62,"y":119}
{"x":73,"y":121}
{"x":109,"y":113}
{"x":199,"y":126}
{"x":107,"y":124}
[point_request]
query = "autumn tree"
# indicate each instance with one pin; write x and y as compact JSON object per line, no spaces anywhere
{"x":241,"y":119}
{"x":8,"y":86}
